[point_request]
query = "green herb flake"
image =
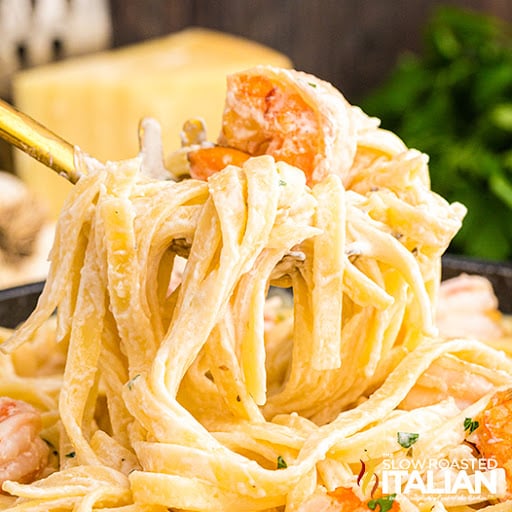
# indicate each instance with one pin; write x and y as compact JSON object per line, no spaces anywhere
{"x":280,"y":317}
{"x":470,"y":425}
{"x":406,"y":439}
{"x":71,"y":455}
{"x":385,"y":503}
{"x":54,"y":451}
{"x":312,"y":84}
{"x":281,"y":463}
{"x":132,"y":381}
{"x":49,"y":443}
{"x":282,"y":183}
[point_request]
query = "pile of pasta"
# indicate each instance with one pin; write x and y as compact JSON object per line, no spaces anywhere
{"x":205,"y":387}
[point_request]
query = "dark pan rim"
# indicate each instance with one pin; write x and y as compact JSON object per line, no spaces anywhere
{"x":18,"y":302}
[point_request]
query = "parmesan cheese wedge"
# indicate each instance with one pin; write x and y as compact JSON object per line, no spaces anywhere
{"x":97,"y":101}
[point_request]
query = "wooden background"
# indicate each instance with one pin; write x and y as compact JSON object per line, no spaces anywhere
{"x":351,"y":43}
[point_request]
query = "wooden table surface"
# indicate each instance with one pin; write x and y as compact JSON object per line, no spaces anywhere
{"x":351,"y":43}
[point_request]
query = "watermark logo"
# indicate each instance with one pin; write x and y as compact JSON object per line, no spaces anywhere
{"x":436,"y":477}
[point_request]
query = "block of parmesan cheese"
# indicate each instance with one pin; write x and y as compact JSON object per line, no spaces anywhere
{"x":97,"y":101}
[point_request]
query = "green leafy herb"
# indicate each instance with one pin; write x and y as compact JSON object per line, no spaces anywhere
{"x":406,"y":439}
{"x":49,"y":443}
{"x":54,"y":451}
{"x":281,"y":463}
{"x":132,"y":381}
{"x":282,"y":183}
{"x":470,"y":425}
{"x":384,"y":503}
{"x":280,"y":317}
{"x":312,"y":84}
{"x":71,"y":455}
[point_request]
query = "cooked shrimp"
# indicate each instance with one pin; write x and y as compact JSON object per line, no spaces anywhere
{"x":208,"y":160}
{"x":23,"y":454}
{"x":343,"y":499}
{"x":293,"y":116}
{"x":450,"y":376}
{"x":467,"y":306}
{"x":493,"y":436}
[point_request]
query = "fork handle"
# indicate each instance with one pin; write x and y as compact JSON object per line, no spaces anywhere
{"x":37,"y":141}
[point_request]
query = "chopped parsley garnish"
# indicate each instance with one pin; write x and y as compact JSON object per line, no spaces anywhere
{"x":384,"y":503}
{"x":282,"y":183}
{"x":49,"y":443}
{"x":51,"y":446}
{"x":71,"y":455}
{"x":132,"y":381}
{"x":281,"y":463}
{"x":470,"y":425}
{"x":312,"y":84}
{"x":280,"y":317}
{"x":406,"y":439}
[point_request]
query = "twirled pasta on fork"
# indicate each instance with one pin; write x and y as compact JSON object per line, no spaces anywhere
{"x":188,"y":385}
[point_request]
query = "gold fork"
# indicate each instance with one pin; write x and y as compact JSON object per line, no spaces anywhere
{"x":37,"y":141}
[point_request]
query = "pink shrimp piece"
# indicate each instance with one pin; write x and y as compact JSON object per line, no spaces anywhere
{"x":468,"y":307}
{"x":23,"y":454}
{"x":493,"y":435}
{"x":290,"y":115}
{"x":449,"y":377}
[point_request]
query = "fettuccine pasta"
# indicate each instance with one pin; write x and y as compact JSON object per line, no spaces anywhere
{"x":175,"y":376}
